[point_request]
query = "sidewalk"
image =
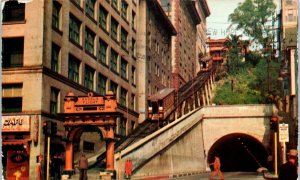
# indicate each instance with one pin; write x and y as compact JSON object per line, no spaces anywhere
{"x":269,"y":175}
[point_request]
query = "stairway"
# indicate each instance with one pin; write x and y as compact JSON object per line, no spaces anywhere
{"x":93,"y":174}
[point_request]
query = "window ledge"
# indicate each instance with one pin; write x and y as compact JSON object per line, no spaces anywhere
{"x":125,"y":19}
{"x":91,"y":55}
{"x":114,"y":71}
{"x":125,"y":49}
{"x":104,"y":30}
{"x":91,"y":18}
{"x":77,"y":5}
{"x":103,"y":64}
{"x":75,"y":43}
{"x":14,"y":22}
{"x":116,"y":9}
{"x":125,"y":79}
{"x":57,"y":30}
{"x":115,"y":40}
{"x":133,"y":29}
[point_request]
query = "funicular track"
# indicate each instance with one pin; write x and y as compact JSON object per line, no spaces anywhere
{"x":147,"y":127}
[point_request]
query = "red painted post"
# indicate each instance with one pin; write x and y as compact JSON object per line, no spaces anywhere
{"x":110,"y":152}
{"x":69,"y":157}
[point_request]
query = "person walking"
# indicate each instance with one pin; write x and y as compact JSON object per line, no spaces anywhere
{"x":83,"y":166}
{"x":288,"y":170}
{"x":217,"y":168}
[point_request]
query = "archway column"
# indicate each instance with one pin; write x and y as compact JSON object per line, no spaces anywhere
{"x":110,"y":146}
{"x":69,"y":168}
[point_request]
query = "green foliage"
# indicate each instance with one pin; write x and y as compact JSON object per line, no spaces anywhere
{"x":253,"y":17}
{"x":249,"y":85}
{"x":234,"y":57}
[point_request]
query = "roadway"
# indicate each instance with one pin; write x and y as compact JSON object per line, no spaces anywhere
{"x":227,"y":176}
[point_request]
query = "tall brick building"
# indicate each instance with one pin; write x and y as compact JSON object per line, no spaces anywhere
{"x":204,"y":12}
{"x":154,"y":33}
{"x":51,"y":48}
{"x":185,"y":17}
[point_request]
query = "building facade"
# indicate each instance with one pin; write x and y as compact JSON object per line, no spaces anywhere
{"x":204,"y":12}
{"x":51,"y":48}
{"x":289,"y":71}
{"x":185,"y":18}
{"x":153,"y":53}
{"x":217,"y":49}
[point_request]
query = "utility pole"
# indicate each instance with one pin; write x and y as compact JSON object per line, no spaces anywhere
{"x":48,"y":156}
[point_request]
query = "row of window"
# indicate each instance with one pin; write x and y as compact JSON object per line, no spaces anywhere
{"x":13,"y":57}
{"x":116,"y":65}
{"x":116,"y":4}
{"x":74,"y":35}
{"x":75,"y":25}
{"x":12,"y":97}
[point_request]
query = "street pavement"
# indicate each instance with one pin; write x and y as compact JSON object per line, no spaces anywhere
{"x":205,"y":176}
{"x":227,"y":175}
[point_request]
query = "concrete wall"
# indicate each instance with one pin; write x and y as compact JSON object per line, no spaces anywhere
{"x":182,"y":146}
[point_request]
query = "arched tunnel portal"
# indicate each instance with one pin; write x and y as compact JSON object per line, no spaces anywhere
{"x":238,"y":153}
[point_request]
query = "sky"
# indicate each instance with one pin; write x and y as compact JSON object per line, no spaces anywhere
{"x":217,"y":22}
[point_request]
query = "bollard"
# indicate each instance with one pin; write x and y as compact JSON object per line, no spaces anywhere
{"x":65,"y":177}
{"x":106,"y":175}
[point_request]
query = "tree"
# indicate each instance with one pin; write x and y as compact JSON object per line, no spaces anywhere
{"x":254,"y":18}
{"x":234,"y":58}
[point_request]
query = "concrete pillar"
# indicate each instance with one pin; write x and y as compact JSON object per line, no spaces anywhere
{"x":199,"y":98}
{"x":176,"y":114}
{"x":212,"y":82}
{"x":69,"y":158}
{"x":183,"y":107}
{"x":110,"y":149}
{"x":206,"y":95}
{"x":209,"y":90}
{"x":196,"y":99}
{"x":203,"y":99}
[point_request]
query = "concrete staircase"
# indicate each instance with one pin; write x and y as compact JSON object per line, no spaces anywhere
{"x":93,"y":174}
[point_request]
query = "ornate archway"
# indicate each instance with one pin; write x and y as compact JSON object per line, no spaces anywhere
{"x":83,"y":111}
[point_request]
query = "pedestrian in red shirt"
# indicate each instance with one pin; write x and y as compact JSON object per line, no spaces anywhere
{"x":217,"y":168}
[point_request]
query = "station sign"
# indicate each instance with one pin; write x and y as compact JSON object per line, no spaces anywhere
{"x":283,"y":132}
{"x":90,"y":100}
{"x":16,"y":123}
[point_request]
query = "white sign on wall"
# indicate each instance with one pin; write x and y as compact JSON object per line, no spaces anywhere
{"x":283,"y":132}
{"x":16,"y":123}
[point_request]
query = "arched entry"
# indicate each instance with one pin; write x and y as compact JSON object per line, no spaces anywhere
{"x":89,"y":141}
{"x":239,"y":152}
{"x":89,"y":113}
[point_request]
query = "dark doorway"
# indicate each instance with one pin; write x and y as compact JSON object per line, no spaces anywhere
{"x":239,"y":152}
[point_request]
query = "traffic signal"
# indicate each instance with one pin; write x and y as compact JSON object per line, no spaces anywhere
{"x":53,"y":128}
{"x":49,"y":128}
{"x":274,"y":123}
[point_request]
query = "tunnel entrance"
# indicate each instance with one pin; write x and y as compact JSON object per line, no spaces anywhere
{"x":239,"y":153}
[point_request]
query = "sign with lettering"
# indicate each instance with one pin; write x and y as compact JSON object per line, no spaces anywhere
{"x":89,"y":101}
{"x":283,"y":132}
{"x":16,"y":123}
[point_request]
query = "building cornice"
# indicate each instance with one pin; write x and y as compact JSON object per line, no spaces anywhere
{"x":160,"y":12}
{"x":191,"y":5}
{"x":205,"y":7}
